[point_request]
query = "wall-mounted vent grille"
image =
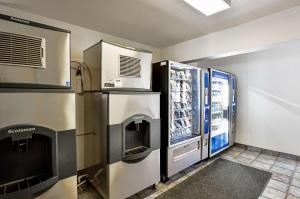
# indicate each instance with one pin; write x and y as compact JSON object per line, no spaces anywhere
{"x":21,"y":50}
{"x":130,"y":66}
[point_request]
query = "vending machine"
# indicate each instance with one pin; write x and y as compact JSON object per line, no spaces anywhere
{"x":180,"y":87}
{"x":222,"y":111}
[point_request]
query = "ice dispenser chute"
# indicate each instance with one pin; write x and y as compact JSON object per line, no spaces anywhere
{"x":136,"y":138}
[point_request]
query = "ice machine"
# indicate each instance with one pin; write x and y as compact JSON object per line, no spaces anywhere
{"x":128,"y":127}
{"x":33,"y":55}
{"x":116,"y":67}
{"x":37,"y":144}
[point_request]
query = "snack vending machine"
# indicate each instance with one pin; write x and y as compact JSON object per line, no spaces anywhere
{"x":180,"y":87}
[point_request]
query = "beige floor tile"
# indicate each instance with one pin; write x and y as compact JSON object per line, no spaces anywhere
{"x":261,"y":165}
{"x":281,"y":178}
{"x":265,"y":160}
{"x":282,"y":171}
{"x":294,"y":162}
{"x":233,"y":153}
{"x":295,"y":191}
{"x":243,"y":160}
{"x":236,"y":148}
{"x":228,"y":156}
{"x":268,"y":156}
{"x":296,"y":182}
{"x":273,"y":193}
{"x":250,"y":154}
{"x":291,"y":197}
{"x":285,"y":165}
{"x":278,"y":185}
{"x":297,"y":175}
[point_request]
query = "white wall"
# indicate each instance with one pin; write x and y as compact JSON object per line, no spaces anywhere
{"x":268,"y":93}
{"x":81,"y":38}
{"x":257,"y":34}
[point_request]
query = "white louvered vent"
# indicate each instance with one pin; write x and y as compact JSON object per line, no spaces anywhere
{"x":22,"y":50}
{"x":130,"y":66}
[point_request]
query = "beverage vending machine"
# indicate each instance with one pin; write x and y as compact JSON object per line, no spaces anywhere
{"x":222,"y":115}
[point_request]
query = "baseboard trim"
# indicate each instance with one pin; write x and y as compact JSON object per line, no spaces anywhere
{"x":269,"y":152}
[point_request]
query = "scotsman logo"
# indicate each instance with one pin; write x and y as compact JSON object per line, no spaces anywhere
{"x":15,"y":131}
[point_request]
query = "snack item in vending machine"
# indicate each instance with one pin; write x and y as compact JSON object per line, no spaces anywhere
{"x":187,"y":122}
{"x":188,"y":75}
{"x":173,"y":85}
{"x":178,"y":106}
{"x":178,"y":87}
{"x":178,"y":75}
{"x":183,"y":76}
{"x":175,"y":97}
{"x":186,"y":87}
{"x":173,"y":73}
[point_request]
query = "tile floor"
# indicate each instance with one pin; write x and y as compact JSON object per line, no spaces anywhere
{"x":284,"y":184}
{"x":285,"y":181}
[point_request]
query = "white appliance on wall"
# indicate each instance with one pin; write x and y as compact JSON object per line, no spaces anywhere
{"x":116,"y":67}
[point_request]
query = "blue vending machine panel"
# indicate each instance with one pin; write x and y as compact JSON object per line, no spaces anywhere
{"x":206,"y":103}
{"x":219,"y":142}
{"x":220,"y":103}
{"x":206,"y":116}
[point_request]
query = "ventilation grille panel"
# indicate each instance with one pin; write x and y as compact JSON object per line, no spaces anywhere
{"x":130,"y":66}
{"x":21,"y":50}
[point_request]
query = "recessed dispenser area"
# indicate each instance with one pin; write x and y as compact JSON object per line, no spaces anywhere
{"x":28,"y":160}
{"x":137,"y":138}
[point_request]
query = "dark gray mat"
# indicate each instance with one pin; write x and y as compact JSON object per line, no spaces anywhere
{"x":222,"y":179}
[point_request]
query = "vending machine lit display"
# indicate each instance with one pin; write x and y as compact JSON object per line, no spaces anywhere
{"x":180,"y":87}
{"x":220,"y":111}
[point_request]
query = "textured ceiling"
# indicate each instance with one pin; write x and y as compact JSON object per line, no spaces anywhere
{"x":158,"y":23}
